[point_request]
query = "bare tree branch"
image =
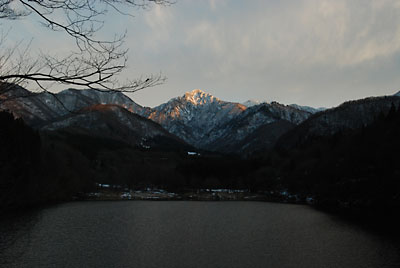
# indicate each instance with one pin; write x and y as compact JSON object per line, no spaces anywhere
{"x":95,"y":63}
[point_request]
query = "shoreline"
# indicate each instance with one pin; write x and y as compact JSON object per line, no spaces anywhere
{"x":191,"y":195}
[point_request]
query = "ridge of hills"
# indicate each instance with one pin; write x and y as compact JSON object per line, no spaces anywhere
{"x":195,"y":120}
{"x":345,"y":157}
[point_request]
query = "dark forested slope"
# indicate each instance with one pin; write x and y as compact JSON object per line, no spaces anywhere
{"x":357,"y":168}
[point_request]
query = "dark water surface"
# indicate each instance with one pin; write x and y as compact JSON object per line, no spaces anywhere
{"x":189,"y":234}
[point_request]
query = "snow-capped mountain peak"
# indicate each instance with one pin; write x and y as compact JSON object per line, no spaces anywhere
{"x":397,"y":94}
{"x":197,"y":117}
{"x":199,"y":97}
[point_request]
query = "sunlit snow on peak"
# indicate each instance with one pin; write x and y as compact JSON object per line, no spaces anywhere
{"x":199,"y":97}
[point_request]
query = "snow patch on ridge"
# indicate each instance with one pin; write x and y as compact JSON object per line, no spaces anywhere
{"x":251,"y":103}
{"x":308,"y":108}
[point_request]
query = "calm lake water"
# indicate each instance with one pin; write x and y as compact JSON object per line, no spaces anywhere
{"x":189,"y":234}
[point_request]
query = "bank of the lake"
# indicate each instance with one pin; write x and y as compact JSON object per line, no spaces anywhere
{"x":117,"y":192}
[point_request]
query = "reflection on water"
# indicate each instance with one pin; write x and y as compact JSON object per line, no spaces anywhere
{"x":188,"y":234}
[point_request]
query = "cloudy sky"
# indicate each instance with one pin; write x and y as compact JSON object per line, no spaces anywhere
{"x":309,"y":52}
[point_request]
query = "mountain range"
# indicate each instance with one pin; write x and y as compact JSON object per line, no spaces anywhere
{"x":194,"y":120}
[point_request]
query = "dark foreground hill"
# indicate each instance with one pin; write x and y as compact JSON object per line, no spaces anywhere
{"x":347,"y":116}
{"x":352,"y":169}
{"x":50,"y":166}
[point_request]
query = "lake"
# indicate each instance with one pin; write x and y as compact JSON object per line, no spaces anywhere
{"x":189,"y":234}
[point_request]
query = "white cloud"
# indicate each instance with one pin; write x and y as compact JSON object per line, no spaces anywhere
{"x":215,"y":4}
{"x":281,"y":49}
{"x":159,"y":21}
{"x":319,"y":32}
{"x":266,"y":49}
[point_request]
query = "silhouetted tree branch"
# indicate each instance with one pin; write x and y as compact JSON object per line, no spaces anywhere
{"x":94,"y":63}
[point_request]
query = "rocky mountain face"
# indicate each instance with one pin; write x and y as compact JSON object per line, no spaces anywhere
{"x":197,"y":118}
{"x":115,"y":122}
{"x":90,"y":112}
{"x":230,"y":137}
{"x":261,"y":139}
{"x":38,"y":109}
{"x":212,"y":124}
{"x":35,"y":109}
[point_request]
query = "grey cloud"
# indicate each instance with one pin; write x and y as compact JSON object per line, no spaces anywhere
{"x":312,"y":52}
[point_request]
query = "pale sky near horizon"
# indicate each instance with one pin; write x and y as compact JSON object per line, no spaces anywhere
{"x":309,"y":52}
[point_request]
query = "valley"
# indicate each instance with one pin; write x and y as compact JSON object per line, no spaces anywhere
{"x":197,"y":142}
